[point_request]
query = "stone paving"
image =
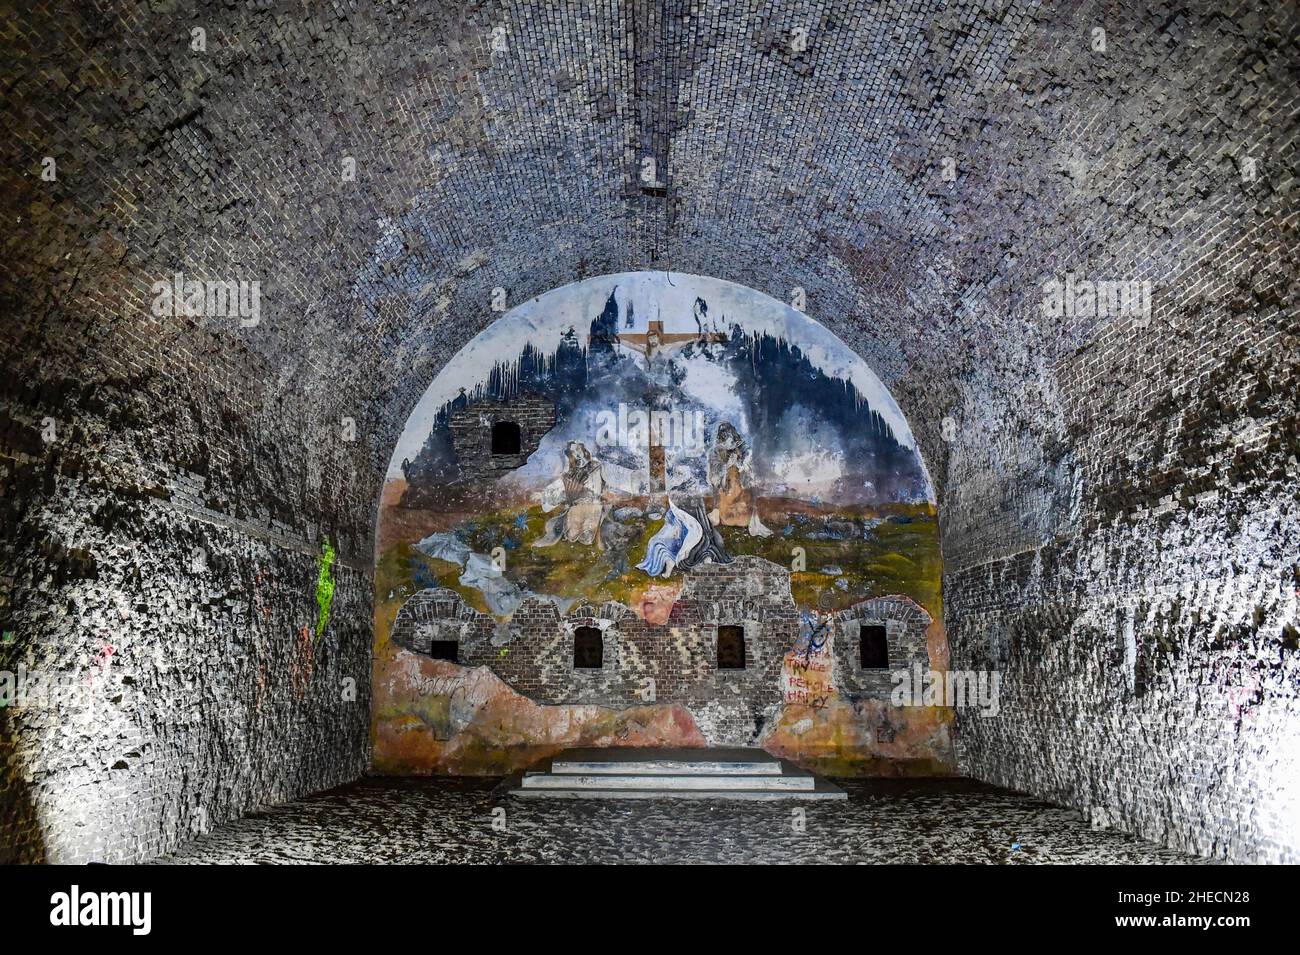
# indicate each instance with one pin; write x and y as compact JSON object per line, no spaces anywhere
{"x":386,"y":820}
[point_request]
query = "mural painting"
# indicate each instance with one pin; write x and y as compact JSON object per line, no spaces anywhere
{"x":655,"y":509}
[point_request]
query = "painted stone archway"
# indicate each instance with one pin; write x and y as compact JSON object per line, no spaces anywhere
{"x":656,"y":509}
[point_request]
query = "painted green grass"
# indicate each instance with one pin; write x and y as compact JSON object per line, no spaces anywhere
{"x":896,"y":559}
{"x":901,"y":556}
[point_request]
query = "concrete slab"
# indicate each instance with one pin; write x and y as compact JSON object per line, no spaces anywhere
{"x":823,"y":790}
{"x":677,"y":762}
{"x":665,"y":781}
{"x":640,"y":773}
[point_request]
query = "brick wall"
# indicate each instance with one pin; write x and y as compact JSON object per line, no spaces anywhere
{"x":1149,"y":647}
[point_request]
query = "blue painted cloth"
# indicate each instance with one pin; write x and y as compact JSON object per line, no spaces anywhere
{"x":672,"y":543}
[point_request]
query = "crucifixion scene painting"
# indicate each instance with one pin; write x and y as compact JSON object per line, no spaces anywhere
{"x":607,"y":516}
{"x":606,"y":438}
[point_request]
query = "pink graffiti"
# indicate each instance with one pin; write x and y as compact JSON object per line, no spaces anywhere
{"x":102,"y":660}
{"x":1241,"y":697}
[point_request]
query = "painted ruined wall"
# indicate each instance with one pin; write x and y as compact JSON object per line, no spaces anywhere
{"x":694,"y":456}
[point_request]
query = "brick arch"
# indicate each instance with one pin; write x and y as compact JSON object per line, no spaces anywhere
{"x":427,"y":608}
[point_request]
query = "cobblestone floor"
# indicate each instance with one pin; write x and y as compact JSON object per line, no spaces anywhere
{"x":441,"y":820}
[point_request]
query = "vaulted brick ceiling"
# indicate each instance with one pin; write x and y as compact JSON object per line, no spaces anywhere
{"x":821,"y":168}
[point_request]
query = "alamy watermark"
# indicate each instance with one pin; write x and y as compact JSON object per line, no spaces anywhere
{"x":956,"y":688}
{"x":194,"y":298}
{"x":37,"y":689}
{"x":75,"y":907}
{"x":636,"y":428}
{"x":1072,"y":297}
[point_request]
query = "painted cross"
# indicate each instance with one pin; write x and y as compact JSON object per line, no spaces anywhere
{"x":655,"y":339}
{"x":649,"y":343}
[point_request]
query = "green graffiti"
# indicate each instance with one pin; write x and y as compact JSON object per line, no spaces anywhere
{"x":324,"y":587}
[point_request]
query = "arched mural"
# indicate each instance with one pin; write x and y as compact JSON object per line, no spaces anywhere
{"x":656,"y":509}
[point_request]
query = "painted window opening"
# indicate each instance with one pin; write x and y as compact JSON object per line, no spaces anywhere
{"x":588,"y":648}
{"x":689,"y":451}
{"x":445,"y":650}
{"x":506,"y":437}
{"x":731,"y":647}
{"x":873,"y":646}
